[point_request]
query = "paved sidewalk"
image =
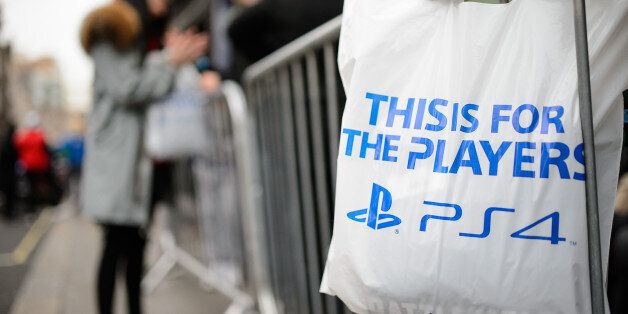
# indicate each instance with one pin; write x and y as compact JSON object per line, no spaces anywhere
{"x":13,"y":234}
{"x":62,"y":277}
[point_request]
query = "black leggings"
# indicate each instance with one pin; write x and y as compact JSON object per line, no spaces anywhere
{"x":123,"y":246}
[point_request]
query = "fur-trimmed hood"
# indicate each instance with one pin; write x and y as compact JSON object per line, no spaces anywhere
{"x":116,"y":22}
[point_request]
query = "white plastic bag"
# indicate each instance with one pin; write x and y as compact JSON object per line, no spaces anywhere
{"x":176,"y":126}
{"x":472,"y":200}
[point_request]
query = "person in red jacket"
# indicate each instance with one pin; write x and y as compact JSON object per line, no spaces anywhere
{"x":33,"y":156}
{"x":34,"y":160}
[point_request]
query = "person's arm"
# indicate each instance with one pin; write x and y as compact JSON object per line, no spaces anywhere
{"x":130,"y":83}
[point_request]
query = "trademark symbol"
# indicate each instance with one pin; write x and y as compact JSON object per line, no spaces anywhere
{"x":396,"y":231}
{"x":573,"y":243}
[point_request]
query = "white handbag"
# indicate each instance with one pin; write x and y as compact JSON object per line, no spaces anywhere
{"x":176,"y":126}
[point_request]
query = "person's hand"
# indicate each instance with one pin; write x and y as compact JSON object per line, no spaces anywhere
{"x":210,"y":81}
{"x":184,"y":47}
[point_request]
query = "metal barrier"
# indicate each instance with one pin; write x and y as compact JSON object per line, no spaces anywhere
{"x":294,"y":97}
{"x":212,"y":230}
{"x":253,"y":218}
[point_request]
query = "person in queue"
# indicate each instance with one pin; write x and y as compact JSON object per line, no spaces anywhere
{"x":618,"y":257}
{"x":135,"y":63}
{"x":261,"y":27}
{"x":35,"y":164}
{"x":8,"y":160}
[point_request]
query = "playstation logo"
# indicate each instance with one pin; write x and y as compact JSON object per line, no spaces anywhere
{"x":371,"y":215}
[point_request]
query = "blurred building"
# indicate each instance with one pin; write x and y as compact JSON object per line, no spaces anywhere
{"x":5,"y":106}
{"x":37,"y":85}
{"x":43,"y":82}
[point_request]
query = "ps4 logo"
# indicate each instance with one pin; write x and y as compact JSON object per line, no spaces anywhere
{"x":375,"y":216}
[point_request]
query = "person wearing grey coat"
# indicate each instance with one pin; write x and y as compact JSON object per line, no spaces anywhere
{"x":116,"y":177}
{"x":117,"y":174}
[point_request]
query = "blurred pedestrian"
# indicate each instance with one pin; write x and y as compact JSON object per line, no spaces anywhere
{"x":35,"y":163}
{"x":8,"y":161}
{"x":118,"y":184}
{"x":71,"y":149}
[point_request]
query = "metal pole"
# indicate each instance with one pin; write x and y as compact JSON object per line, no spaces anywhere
{"x":596,"y":276}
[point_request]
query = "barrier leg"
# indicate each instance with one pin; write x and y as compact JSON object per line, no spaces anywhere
{"x":162,"y":267}
{"x":596,"y":276}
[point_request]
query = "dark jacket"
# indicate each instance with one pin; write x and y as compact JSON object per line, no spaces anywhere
{"x":8,"y":158}
{"x":269,"y":25}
